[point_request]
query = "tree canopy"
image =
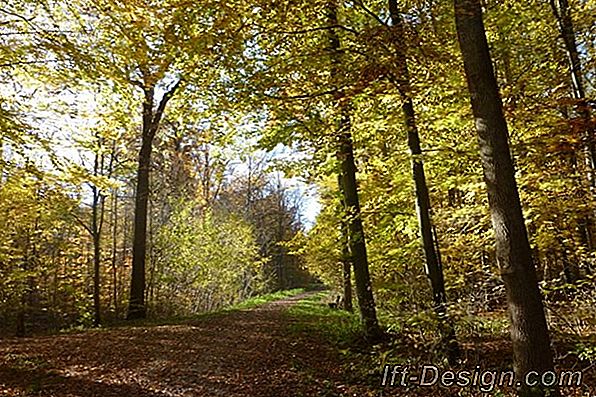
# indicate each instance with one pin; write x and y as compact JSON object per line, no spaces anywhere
{"x":155,"y":159}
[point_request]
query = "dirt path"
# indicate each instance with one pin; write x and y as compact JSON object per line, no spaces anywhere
{"x":243,"y":353}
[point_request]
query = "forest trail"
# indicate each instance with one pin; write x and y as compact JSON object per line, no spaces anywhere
{"x":239,"y":353}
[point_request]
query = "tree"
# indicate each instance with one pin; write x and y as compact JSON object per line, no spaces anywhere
{"x":95,"y":231}
{"x":98,"y":180}
{"x":206,"y":259}
{"x":346,"y":257}
{"x":349,"y":190}
{"x":151,"y":121}
{"x":433,"y":267}
{"x":562,"y":12}
{"x":272,"y":207}
{"x":149,"y":48}
{"x":529,"y":331}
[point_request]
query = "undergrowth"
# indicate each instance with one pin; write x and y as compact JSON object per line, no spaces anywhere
{"x":244,"y":305}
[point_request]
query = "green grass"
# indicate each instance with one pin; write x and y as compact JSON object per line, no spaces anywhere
{"x":244,"y":305}
{"x":340,"y":329}
{"x":312,"y":315}
{"x":262,"y":299}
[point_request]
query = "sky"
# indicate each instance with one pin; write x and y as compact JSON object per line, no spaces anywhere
{"x":69,"y":116}
{"x":310,"y":206}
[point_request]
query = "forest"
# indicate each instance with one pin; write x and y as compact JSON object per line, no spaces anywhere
{"x":297,"y":198}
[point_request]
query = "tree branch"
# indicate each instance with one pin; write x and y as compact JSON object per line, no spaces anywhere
{"x":14,"y":14}
{"x":303,"y":96}
{"x":102,"y":206}
{"x":80,"y":222}
{"x":555,"y":10}
{"x":370,"y":13}
{"x":137,"y":83}
{"x":162,"y":104}
{"x":33,"y":32}
{"x":4,"y":65}
{"x":315,"y":29}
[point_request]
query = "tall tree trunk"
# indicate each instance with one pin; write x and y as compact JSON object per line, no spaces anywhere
{"x":126,"y":229}
{"x":570,"y":268}
{"x":281,"y":273}
{"x":529,"y":331}
{"x":95,"y":231}
{"x":357,"y":242}
{"x":347,"y":278}
{"x":346,"y":257}
{"x":114,"y":250}
{"x":96,"y":251}
{"x":21,"y":328}
{"x":562,"y":13}
{"x":136,"y":308}
{"x":151,"y":120}
{"x":96,"y":280}
{"x":345,"y":156}
{"x":152,"y":263}
{"x":433,"y":268}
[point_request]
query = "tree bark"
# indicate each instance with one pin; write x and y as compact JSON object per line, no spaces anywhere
{"x":529,"y":331}
{"x":347,"y":280}
{"x":136,"y":305}
{"x":357,"y":242}
{"x":21,"y":328}
{"x":97,"y":216}
{"x":114,"y":250}
{"x":433,"y":268}
{"x":345,"y":156}
{"x":96,"y":280}
{"x":151,"y":120}
{"x":346,"y":257}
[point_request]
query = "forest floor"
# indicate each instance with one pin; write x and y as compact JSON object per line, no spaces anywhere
{"x":271,"y":350}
